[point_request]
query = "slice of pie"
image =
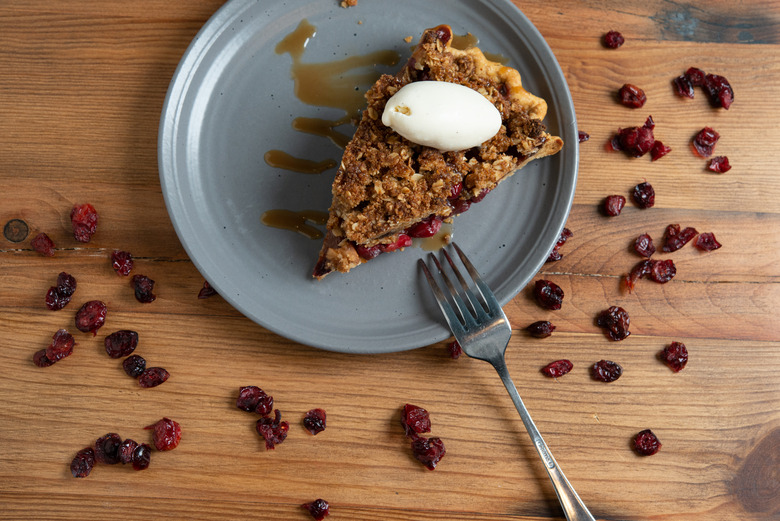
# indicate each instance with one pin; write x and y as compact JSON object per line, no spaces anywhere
{"x":389,"y":189}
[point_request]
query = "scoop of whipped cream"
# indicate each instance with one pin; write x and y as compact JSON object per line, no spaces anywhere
{"x":442,"y":115}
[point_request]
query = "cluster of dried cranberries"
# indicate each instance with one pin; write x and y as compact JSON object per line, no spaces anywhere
{"x":122,"y":343}
{"x":273,"y":430}
{"x":416,"y":421}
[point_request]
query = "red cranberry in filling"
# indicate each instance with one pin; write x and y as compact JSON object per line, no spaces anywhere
{"x":122,"y":262}
{"x":403,"y":241}
{"x":455,"y":191}
{"x":582,"y":136}
{"x":454,"y":350}
{"x":153,"y":377}
{"x":635,"y":141}
{"x":718,"y":90}
{"x":84,"y":219}
{"x":428,"y":451}
{"x":614,"y":204}
{"x":428,"y":227}
{"x":415,"y":420}
{"x":659,"y":150}
{"x":674,"y":239}
{"x":646,"y":443}
{"x":82,"y":463}
{"x":459,"y":206}
{"x":314,"y":421}
{"x":318,"y":509}
{"x":144,"y":287}
{"x":166,"y":434}
{"x":107,"y":448}
{"x":632,"y":96}
{"x":273,"y":431}
{"x":142,"y":456}
{"x":557,"y":368}
{"x":121,"y":343}
{"x":541,"y":329}
{"x":644,"y":245}
{"x":91,"y":317}
{"x":615,"y":322}
{"x":613,"y":40}
{"x":477,"y":198}
{"x":644,"y":195}
{"x":134,"y":366}
{"x":555,"y":254}
{"x":548,"y":294}
{"x":719,"y":164}
{"x":675,"y":355}
{"x":704,"y":142}
{"x":368,"y":252}
{"x":707,"y":242}
{"x":126,"y":450}
{"x":606,"y":371}
{"x":206,"y":291}
{"x":43,"y":245}
{"x":61,"y":346}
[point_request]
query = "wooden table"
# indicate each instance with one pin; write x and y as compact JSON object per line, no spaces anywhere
{"x":81,"y":92}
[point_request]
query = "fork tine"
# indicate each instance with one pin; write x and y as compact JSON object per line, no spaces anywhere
{"x":471,"y":299}
{"x":453,"y":321}
{"x":466,"y":313}
{"x":484,"y":291}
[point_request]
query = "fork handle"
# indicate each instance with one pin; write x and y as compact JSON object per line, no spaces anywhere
{"x":573,"y":507}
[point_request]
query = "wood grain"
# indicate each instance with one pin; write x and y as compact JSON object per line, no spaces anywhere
{"x":80,"y":97}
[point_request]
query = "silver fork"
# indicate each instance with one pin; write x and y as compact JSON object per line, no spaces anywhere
{"x":483,"y":332}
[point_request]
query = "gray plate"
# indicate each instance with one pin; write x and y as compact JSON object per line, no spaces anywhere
{"x":231,"y":99}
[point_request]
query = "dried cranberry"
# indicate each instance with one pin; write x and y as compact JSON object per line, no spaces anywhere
{"x":683,"y":87}
{"x":614,"y":204}
{"x":107,"y":448}
{"x":644,"y":195}
{"x":121,"y":343}
{"x":134,"y":366}
{"x":613,"y":39}
{"x":314,"y":421}
{"x":557,"y":368}
{"x":273,"y":431}
{"x":122,"y":262}
{"x":659,"y":150}
{"x":84,"y":219}
{"x":644,"y":245}
{"x":707,"y":242}
{"x":153,"y":377}
{"x":61,"y":346}
{"x":428,"y":227}
{"x":541,"y":329}
{"x":206,"y":291}
{"x":640,"y":270}
{"x":43,"y":245}
{"x":635,"y":141}
{"x":675,"y":355}
{"x":144,"y":286}
{"x":91,"y":316}
{"x":318,"y":509}
{"x":253,"y":399}
{"x":166,"y":434}
{"x":695,"y":76}
{"x":704,"y":142}
{"x":428,"y":451}
{"x":454,"y":350}
{"x":632,"y":96}
{"x":82,"y":463}
{"x":142,"y":456}
{"x":615,"y":321}
{"x":663,"y":271}
{"x":719,"y":164}
{"x":59,"y":296}
{"x":719,"y":91}
{"x":415,"y":420}
{"x":674,"y":239}
{"x":646,"y":443}
{"x":548,"y":294}
{"x":40,"y":359}
{"x":126,"y":450}
{"x":606,"y":371}
{"x":582,"y":136}
{"x":555,"y":254}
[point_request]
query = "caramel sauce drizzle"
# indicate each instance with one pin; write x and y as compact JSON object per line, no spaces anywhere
{"x":296,"y":221}
{"x":280,"y":159}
